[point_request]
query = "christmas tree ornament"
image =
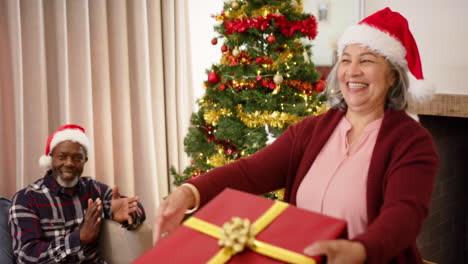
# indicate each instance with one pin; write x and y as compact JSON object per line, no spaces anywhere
{"x":320,"y":86}
{"x":235,"y":5}
{"x":278,"y":78}
{"x":213,"y":78}
{"x":236,"y":51}
{"x":276,"y":90}
{"x":306,"y":56}
{"x":294,"y":4}
{"x":271,"y":39}
{"x":214,"y":41}
{"x":224,"y":48}
{"x":222,"y":87}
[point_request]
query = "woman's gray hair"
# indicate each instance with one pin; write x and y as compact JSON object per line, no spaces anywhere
{"x":397,"y":96}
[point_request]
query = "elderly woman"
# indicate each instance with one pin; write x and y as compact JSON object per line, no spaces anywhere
{"x":365,"y":160}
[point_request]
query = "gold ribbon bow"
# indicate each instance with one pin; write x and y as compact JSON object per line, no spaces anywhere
{"x":228,"y":251}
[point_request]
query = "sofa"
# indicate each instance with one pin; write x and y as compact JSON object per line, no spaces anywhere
{"x":116,"y":244}
{"x":120,"y":246}
{"x":6,"y":251}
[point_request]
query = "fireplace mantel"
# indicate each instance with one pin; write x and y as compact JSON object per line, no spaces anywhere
{"x":453,"y":105}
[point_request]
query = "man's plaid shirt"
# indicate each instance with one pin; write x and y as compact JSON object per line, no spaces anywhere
{"x":45,"y":221}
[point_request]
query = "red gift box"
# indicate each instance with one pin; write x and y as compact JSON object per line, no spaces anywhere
{"x":293,"y":229}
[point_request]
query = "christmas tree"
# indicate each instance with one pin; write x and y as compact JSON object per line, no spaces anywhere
{"x":264,"y":82}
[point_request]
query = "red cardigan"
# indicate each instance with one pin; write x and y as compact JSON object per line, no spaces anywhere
{"x":399,"y":187}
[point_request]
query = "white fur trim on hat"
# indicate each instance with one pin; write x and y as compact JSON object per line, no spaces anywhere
{"x":45,"y":162}
{"x":375,"y":39}
{"x":421,"y":90}
{"x":74,"y":135}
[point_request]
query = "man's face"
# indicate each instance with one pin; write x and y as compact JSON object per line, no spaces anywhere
{"x":68,"y":160}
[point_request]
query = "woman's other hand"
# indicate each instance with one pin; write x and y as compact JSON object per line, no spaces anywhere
{"x":172,"y":211}
{"x":338,"y":251}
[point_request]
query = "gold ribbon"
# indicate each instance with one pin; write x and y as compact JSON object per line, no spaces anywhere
{"x":224,"y":254}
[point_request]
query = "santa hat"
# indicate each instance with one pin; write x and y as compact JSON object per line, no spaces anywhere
{"x":387,"y":33}
{"x":69,"y":132}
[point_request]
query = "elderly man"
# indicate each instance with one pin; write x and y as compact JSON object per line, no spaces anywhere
{"x":57,"y":219}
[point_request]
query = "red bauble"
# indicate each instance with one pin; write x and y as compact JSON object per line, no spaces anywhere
{"x":259,"y":60}
{"x":214,"y":41}
{"x":224,"y":48}
{"x":271,"y":39}
{"x":320,"y":86}
{"x":213,"y":78}
{"x":222,"y":87}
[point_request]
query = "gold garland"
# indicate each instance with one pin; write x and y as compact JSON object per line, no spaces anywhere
{"x":218,"y":160}
{"x":257,"y":118}
{"x":280,"y":194}
{"x":236,"y":13}
{"x":286,"y":55}
{"x":322,"y":109}
{"x":273,"y":119}
{"x":300,"y":6}
{"x":264,"y":11}
{"x":212,"y":116}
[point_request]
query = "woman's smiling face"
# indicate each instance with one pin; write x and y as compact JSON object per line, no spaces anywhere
{"x":365,"y":78}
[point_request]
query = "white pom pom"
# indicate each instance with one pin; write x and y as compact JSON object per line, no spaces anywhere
{"x":45,"y":162}
{"x":421,"y":91}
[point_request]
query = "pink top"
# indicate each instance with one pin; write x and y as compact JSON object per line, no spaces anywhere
{"x":336,"y":182}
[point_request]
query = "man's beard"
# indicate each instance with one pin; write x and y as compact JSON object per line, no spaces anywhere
{"x":68,"y":184}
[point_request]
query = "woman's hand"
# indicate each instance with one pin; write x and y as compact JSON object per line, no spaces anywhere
{"x":338,"y":251}
{"x":172,"y":211}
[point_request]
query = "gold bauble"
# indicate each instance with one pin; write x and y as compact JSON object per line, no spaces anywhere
{"x":235,"y":4}
{"x":278,"y":78}
{"x":236,"y":51}
{"x":294,"y":4}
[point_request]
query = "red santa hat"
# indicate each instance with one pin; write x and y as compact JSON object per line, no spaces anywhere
{"x":69,"y":132}
{"x":387,"y":33}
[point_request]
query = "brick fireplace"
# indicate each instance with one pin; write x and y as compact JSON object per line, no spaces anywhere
{"x":444,"y":236}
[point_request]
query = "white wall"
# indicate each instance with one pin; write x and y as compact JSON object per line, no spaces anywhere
{"x":340,"y":15}
{"x":204,"y":54}
{"x":441,"y":31}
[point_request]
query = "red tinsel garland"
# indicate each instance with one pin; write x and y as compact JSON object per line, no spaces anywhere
{"x":308,"y":26}
{"x":228,"y":147}
{"x":304,"y":86}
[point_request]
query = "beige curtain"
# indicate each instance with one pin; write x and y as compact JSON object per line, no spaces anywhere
{"x":118,"y":68}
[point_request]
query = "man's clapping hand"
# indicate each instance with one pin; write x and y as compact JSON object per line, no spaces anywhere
{"x":123,"y":208}
{"x":89,"y":231}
